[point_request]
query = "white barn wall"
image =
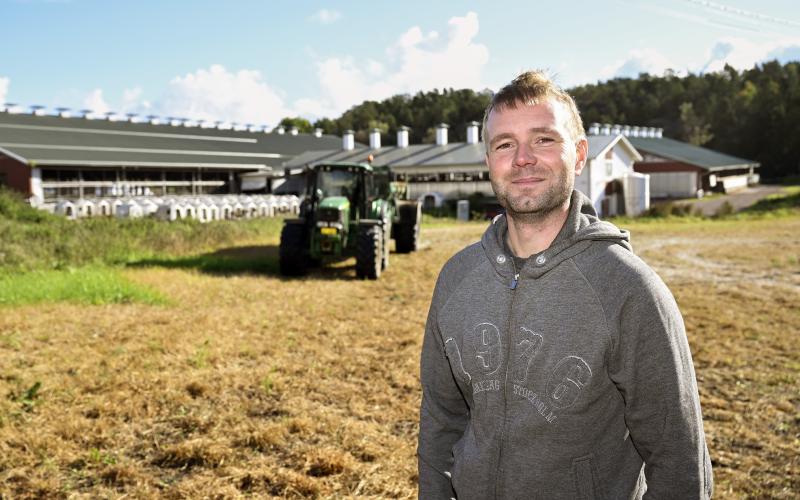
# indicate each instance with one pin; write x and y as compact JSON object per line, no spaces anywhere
{"x":673,"y":184}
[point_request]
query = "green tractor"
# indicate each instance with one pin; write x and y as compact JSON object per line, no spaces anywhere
{"x":349,"y":209}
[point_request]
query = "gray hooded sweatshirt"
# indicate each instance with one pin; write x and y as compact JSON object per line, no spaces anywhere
{"x":568,"y":378}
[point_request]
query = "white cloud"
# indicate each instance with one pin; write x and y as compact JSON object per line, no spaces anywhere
{"x":325,"y":16}
{"x":218,"y":94}
{"x":744,"y":54}
{"x":639,"y":61}
{"x":95,"y":102}
{"x":4,"y":84}
{"x":416,"y":61}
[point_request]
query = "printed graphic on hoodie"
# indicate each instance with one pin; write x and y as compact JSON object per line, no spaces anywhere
{"x":484,"y":346}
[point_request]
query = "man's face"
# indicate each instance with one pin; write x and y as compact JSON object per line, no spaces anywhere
{"x":532,"y":158}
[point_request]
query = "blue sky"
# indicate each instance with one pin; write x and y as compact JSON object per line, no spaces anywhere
{"x":250,"y":61}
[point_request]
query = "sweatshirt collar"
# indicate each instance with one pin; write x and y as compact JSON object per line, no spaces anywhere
{"x":580,"y":228}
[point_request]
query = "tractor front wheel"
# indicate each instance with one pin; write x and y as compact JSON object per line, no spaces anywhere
{"x":369,"y":253}
{"x":293,"y":258}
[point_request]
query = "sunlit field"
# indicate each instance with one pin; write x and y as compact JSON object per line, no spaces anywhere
{"x":218,"y":378}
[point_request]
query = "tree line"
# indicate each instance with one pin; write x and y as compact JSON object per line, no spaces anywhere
{"x":753,"y":114}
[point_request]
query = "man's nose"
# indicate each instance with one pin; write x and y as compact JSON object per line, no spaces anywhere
{"x":524,"y":156}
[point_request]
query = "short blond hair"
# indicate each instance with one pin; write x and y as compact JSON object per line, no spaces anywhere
{"x":534,"y":87}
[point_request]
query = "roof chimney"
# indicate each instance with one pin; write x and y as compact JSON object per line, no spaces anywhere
{"x":594,"y":129}
{"x":402,"y":136}
{"x":441,"y":134}
{"x":348,"y":140}
{"x":472,"y":133}
{"x":317,"y":132}
{"x":375,"y":139}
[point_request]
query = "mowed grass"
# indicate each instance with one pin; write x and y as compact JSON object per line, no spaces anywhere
{"x":251,"y":385}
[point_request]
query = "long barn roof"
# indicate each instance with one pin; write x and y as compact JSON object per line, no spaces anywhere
{"x":432,"y":155}
{"x":687,"y":153}
{"x":58,"y":141}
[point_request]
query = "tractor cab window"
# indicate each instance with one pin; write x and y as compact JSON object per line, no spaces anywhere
{"x":337,"y":182}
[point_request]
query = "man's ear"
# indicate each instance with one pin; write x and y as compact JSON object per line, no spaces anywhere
{"x":581,"y":153}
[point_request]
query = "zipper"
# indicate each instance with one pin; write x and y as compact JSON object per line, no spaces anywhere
{"x":498,"y":481}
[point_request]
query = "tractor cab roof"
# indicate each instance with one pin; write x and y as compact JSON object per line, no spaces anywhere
{"x":341,"y":165}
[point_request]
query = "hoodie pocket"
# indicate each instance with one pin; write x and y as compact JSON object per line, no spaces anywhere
{"x":587,"y":483}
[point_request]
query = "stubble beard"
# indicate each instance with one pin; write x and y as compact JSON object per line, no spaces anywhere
{"x":525,"y":208}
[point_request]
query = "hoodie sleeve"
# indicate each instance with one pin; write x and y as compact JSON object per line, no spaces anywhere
{"x":652,"y":368}
{"x":443,"y":413}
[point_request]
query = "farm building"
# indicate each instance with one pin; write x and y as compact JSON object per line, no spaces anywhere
{"x":50,"y":158}
{"x":449,"y":171}
{"x":679,"y":169}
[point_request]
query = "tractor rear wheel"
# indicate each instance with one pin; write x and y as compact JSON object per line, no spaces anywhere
{"x":369,"y":254}
{"x":407,"y":232}
{"x":293,"y":258}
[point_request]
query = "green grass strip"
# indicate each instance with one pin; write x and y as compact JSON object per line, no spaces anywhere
{"x":86,"y":285}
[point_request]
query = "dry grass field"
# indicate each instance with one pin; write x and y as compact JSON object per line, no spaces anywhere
{"x":248,"y":385}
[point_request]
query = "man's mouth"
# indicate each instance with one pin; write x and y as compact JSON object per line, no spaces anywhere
{"x":528,"y":180}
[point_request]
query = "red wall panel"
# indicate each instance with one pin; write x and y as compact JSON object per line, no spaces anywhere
{"x":15,"y":175}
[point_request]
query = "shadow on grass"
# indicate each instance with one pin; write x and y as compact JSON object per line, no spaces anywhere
{"x":245,"y":260}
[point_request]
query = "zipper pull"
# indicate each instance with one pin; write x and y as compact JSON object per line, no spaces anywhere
{"x":515,"y":281}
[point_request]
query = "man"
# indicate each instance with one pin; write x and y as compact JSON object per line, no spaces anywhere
{"x":555,"y":362}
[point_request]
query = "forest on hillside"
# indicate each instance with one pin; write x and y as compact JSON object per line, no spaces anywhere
{"x":753,"y":114}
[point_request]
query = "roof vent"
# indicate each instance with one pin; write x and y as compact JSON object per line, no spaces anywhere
{"x":153,"y":119}
{"x":280,"y":130}
{"x":375,"y":139}
{"x":594,"y":129}
{"x":37,"y":110}
{"x":294,"y":131}
{"x":63,"y":112}
{"x":402,"y":136}
{"x":317,"y":132}
{"x":348,"y":140}
{"x":472,"y":133}
{"x":441,"y":134}
{"x":626,"y":130}
{"x":132,"y":117}
{"x":616,"y":129}
{"x":606,"y":129}
{"x":659,"y":133}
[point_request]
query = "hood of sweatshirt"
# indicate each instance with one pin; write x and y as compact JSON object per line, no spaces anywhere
{"x":581,"y":228}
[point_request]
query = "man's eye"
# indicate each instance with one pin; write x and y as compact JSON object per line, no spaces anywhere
{"x":545,"y":140}
{"x":502,"y":145}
